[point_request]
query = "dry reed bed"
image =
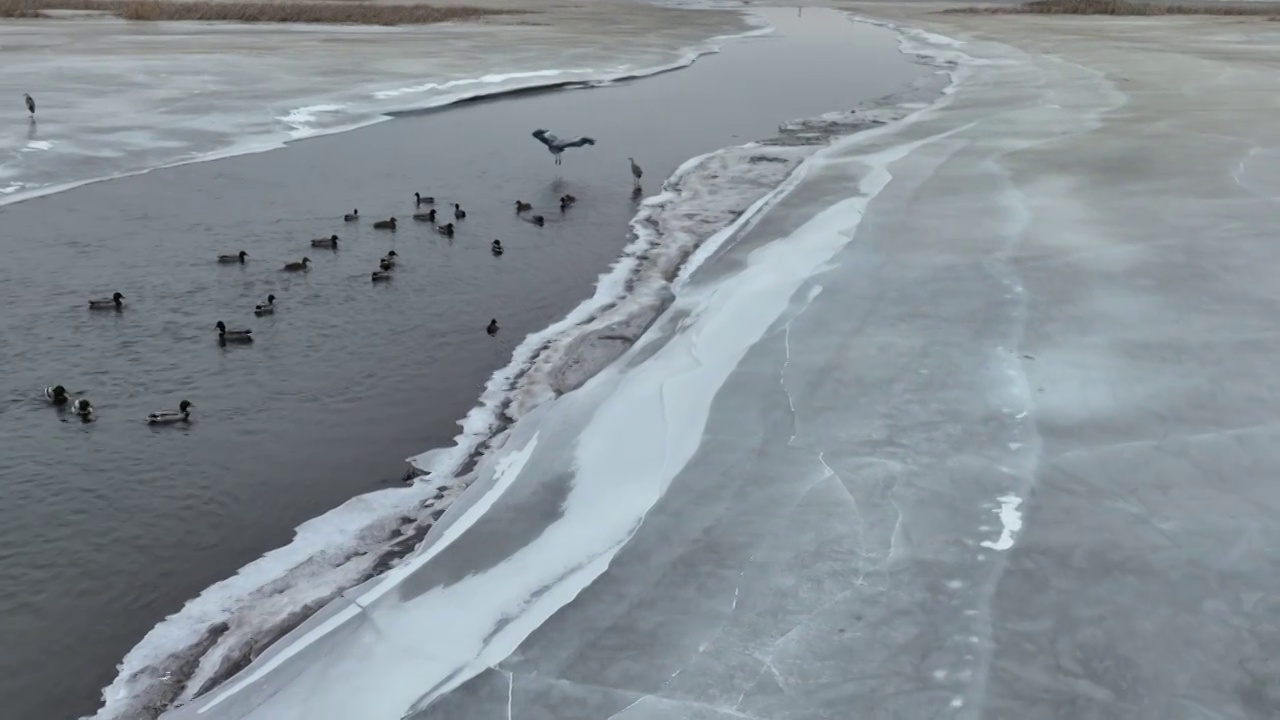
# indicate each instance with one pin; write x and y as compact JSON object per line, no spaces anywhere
{"x":287,"y":11}
{"x":1124,"y":7}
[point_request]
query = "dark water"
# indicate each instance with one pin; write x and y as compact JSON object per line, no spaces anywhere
{"x":107,"y":527}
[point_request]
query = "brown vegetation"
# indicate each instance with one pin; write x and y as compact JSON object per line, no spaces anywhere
{"x":297,"y":11}
{"x":1126,"y":7}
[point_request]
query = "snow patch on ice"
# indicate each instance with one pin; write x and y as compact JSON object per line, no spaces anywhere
{"x":1010,"y":518}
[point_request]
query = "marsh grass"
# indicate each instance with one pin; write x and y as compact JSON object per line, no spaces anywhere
{"x":1124,"y":7}
{"x":286,"y":11}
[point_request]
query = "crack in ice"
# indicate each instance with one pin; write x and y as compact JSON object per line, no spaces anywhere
{"x":782,"y":380}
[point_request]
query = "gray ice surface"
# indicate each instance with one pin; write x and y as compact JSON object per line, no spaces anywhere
{"x":1004,"y":448}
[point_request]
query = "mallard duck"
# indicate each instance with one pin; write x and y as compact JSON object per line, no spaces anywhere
{"x":445,"y":230}
{"x":496,"y":247}
{"x":428,"y":216}
{"x":237,"y":258}
{"x":522,"y":206}
{"x":164,"y":417}
{"x":56,"y":395}
{"x":538,"y":220}
{"x":492,"y":328}
{"x":82,"y":407}
{"x":266,"y":308}
{"x":458,"y":212}
{"x":564,"y":205}
{"x":567,"y":198}
{"x":419,"y":200}
{"x":381,"y":275}
{"x":352,"y":216}
{"x":111,"y":303}
{"x":226,"y":335}
{"x":385,"y":224}
{"x":329,"y":242}
{"x":391,"y":256}
{"x":297,"y":266}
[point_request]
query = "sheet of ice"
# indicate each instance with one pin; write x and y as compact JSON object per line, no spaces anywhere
{"x":116,"y":98}
{"x":1011,"y":521}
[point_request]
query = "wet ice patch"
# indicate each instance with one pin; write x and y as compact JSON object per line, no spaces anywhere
{"x":1010,"y":518}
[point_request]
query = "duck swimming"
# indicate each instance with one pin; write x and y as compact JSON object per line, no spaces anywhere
{"x":237,"y":258}
{"x":266,"y":308}
{"x":385,"y":224}
{"x":297,"y":266}
{"x":329,"y":242}
{"x":458,"y":212}
{"x":496,"y":247}
{"x":492,"y":327}
{"x":522,"y":206}
{"x":564,"y":205}
{"x":352,"y":216}
{"x":381,"y":275}
{"x":165,"y":417}
{"x":428,"y":216}
{"x":82,"y":407}
{"x":568,"y":199}
{"x":111,"y":303}
{"x":56,"y":395}
{"x":419,"y":200}
{"x":226,"y":335}
{"x":538,"y":220}
{"x":445,"y":230}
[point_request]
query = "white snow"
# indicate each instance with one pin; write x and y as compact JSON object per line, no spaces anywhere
{"x":1010,"y":519}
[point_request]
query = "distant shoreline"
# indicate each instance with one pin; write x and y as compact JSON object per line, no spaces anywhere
{"x":293,"y":11}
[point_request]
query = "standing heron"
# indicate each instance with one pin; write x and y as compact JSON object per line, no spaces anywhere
{"x":31,"y":104}
{"x":636,"y":172}
{"x":557,"y":146}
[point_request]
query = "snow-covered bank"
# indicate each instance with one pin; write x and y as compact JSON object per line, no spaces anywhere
{"x":179,"y":658}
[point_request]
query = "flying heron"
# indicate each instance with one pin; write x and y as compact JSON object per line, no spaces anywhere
{"x":31,"y":104}
{"x":557,"y":146}
{"x":636,"y":172}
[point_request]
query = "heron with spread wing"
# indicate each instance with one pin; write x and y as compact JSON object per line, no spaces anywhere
{"x":557,"y":146}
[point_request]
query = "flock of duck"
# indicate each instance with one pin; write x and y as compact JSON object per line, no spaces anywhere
{"x":82,"y":407}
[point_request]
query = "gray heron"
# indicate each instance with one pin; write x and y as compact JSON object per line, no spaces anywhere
{"x":31,"y":104}
{"x":557,"y":146}
{"x":636,"y":172}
